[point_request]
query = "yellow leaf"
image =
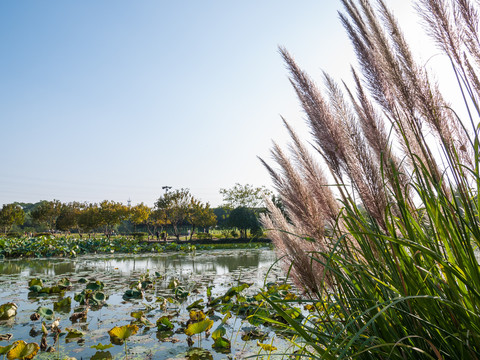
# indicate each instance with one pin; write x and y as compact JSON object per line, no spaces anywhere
{"x":266,"y":347}
{"x":22,"y":351}
{"x":199,"y":327}
{"x":123,"y":332}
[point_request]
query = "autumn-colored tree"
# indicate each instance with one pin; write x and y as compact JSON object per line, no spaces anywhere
{"x":176,"y":207}
{"x":47,"y":213}
{"x":11,"y":214}
{"x":139,"y":214}
{"x":112,"y":213}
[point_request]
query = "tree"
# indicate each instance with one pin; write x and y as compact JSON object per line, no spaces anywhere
{"x":243,"y":218}
{"x":47,"y":213}
{"x":139,"y":214}
{"x":89,"y":218}
{"x":175,"y":205}
{"x":69,"y":215}
{"x":112,"y":213}
{"x":200,"y":215}
{"x":11,"y":214}
{"x":244,"y":196}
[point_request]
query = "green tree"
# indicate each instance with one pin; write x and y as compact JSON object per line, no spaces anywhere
{"x":244,"y":219}
{"x":112,"y":213}
{"x":47,"y":213}
{"x":11,"y":214}
{"x":69,"y":215}
{"x":200,"y":215}
{"x":89,"y":218}
{"x":176,"y":207}
{"x":244,"y":196}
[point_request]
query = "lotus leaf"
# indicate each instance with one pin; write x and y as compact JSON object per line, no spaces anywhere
{"x":82,"y":281}
{"x":5,"y":349}
{"x":101,"y":355}
{"x":51,"y":290}
{"x":219,"y":332}
{"x":98,"y":297}
{"x":100,"y":346}
{"x":35,"y":288}
{"x":73,"y":333}
{"x":123,"y":332}
{"x":199,"y":327}
{"x":197,"y":315}
{"x":94,"y":286}
{"x":164,"y":324}
{"x":147,"y":284}
{"x":64,"y":283}
{"x":34,"y":282}
{"x":199,"y":354}
{"x":266,"y":347}
{"x":173,"y":284}
{"x":196,"y":305}
{"x":137,"y":314}
{"x":63,"y":305}
{"x":7,"y":311}
{"x":222,"y":343}
{"x":132,"y":294}
{"x":46,"y":313}
{"x":22,"y":350}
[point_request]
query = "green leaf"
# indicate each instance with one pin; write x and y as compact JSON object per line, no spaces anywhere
{"x":102,"y":355}
{"x":46,"y":313}
{"x":64,"y":283}
{"x":196,"y":305}
{"x":100,"y":346}
{"x":198,"y":327}
{"x":95,"y":286}
{"x":63,"y":305}
{"x":219,"y":332}
{"x":222,"y":343}
{"x":35,"y":282}
{"x":8,"y":310}
{"x":22,"y":351}
{"x":73,"y":333}
{"x":5,"y":349}
{"x":164,"y":324}
{"x":266,"y":347}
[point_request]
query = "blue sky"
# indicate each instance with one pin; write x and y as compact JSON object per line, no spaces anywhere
{"x":115,"y":99}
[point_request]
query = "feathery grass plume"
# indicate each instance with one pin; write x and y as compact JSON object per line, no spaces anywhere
{"x":392,"y":267}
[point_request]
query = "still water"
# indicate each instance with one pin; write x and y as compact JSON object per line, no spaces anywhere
{"x":218,"y":270}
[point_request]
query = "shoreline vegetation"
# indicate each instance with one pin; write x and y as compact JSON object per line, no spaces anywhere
{"x":71,"y":246}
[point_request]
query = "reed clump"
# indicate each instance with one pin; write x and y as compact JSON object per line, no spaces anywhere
{"x":387,"y":251}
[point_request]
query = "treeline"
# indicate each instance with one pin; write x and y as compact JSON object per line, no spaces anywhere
{"x":176,"y":213}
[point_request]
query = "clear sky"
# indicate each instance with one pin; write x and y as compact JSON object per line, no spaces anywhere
{"x":114,"y":99}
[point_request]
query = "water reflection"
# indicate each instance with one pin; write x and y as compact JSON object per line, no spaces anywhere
{"x":214,"y":262}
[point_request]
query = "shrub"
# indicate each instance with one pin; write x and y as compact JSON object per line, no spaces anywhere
{"x":139,"y":235}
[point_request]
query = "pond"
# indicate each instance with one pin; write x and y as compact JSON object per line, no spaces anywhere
{"x":139,"y":289}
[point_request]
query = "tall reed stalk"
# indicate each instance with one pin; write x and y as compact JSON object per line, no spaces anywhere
{"x":388,"y":252}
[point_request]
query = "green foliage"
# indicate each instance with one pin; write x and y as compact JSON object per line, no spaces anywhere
{"x":244,"y":196}
{"x":11,"y":214}
{"x":243,"y":218}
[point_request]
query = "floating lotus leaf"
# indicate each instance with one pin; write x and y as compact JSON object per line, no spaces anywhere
{"x":82,"y":281}
{"x":101,"y":355}
{"x":80,"y":298}
{"x":164,"y":324}
{"x":7,"y":311}
{"x":199,"y":354}
{"x":147,"y":284}
{"x":64,"y":283}
{"x":73,"y":333}
{"x":197,"y":315}
{"x":46,"y":313}
{"x":51,"y":290}
{"x":100,"y":346}
{"x":95,"y":286}
{"x":98,"y":296}
{"x":22,"y":351}
{"x":35,"y":288}
{"x":266,"y":347}
{"x":35,"y":282}
{"x":132,"y":294}
{"x":222,"y":344}
{"x":63,"y":305}
{"x":137,"y":314}
{"x":199,"y":327}
{"x":196,"y":305}
{"x":123,"y":332}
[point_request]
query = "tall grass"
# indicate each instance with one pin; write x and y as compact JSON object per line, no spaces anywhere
{"x":388,"y":251}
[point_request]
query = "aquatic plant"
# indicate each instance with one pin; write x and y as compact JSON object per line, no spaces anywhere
{"x":391,"y":267}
